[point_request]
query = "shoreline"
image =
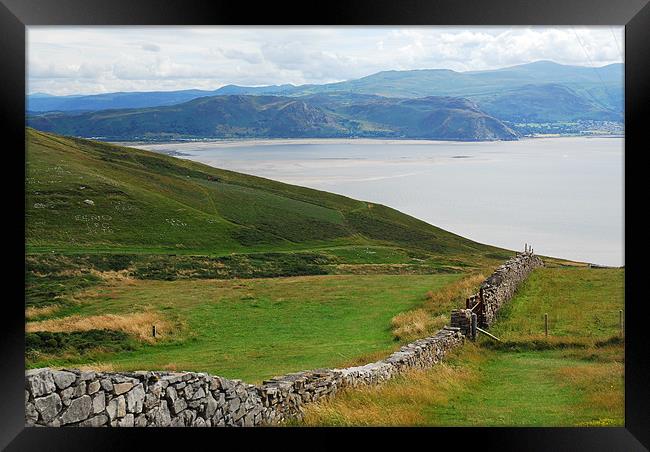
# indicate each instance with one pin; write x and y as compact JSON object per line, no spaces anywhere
{"x":198,"y":144}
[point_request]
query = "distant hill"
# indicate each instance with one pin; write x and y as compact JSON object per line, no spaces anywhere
{"x":587,"y":93}
{"x":264,"y":116}
{"x":85,"y":196}
{"x":277,"y":90}
{"x":601,"y":88}
{"x":603,"y":85}
{"x":544,"y":103}
{"x":39,"y":102}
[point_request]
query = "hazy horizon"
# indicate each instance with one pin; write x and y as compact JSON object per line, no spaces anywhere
{"x":189,"y":88}
{"x":80,"y":60}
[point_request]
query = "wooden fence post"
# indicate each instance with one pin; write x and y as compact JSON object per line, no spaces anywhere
{"x":474,"y":325}
{"x":546,"y":324}
{"x":620,"y":321}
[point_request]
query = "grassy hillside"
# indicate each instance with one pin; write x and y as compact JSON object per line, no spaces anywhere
{"x":85,"y":196}
{"x":242,"y":276}
{"x":572,"y":378}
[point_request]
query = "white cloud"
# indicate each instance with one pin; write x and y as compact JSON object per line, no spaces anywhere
{"x":73,"y":60}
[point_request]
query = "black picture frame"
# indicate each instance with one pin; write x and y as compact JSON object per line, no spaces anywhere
{"x":15,"y":15}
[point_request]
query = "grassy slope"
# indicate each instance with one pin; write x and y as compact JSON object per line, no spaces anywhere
{"x":573,"y":378}
{"x":93,"y":208}
{"x":147,"y":202}
{"x":162,"y":234}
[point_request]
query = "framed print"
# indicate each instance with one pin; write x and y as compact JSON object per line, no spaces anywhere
{"x":373,"y":218}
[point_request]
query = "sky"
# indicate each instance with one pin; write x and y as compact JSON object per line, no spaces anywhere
{"x":90,"y":60}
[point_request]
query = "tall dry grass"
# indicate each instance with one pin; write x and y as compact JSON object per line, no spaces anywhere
{"x":32,"y":312}
{"x":362,"y":360}
{"x":416,"y":324}
{"x":401,"y":401}
{"x":113,"y":276}
{"x":601,"y":385}
{"x":434,"y":313}
{"x":138,"y":324}
{"x":97,"y":367}
{"x":454,"y":294}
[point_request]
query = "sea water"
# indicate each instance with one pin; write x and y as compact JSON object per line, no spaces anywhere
{"x":562,"y":195}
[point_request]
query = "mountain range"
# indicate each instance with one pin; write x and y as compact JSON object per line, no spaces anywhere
{"x":427,"y":103}
{"x":318,"y":115}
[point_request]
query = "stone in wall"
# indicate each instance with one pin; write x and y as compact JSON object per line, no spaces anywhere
{"x":462,"y":319}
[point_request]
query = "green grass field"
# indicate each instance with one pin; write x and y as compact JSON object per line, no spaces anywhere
{"x":573,"y":378}
{"x":582,"y":305}
{"x":253,"y":329}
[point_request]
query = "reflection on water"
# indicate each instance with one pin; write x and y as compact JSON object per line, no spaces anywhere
{"x":563,"y":195}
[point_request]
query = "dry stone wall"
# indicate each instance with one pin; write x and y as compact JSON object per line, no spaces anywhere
{"x":499,"y":287}
{"x":495,"y":291}
{"x":161,"y":399}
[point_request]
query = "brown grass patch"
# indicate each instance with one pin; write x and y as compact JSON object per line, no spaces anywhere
{"x":587,"y":375}
{"x":401,"y":401}
{"x":601,"y":384}
{"x":64,"y":272}
{"x":96,"y":367}
{"x":113,"y":276}
{"x":366,"y":358}
{"x":33,"y":312}
{"x":415,"y":324}
{"x":424,"y":321}
{"x":456,"y":292}
{"x":137,"y":324}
